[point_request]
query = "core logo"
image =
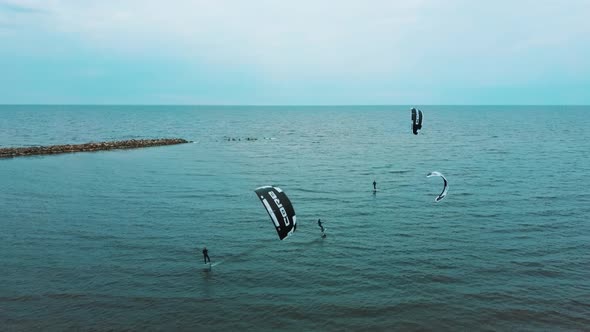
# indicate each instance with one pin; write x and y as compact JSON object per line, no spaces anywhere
{"x":280,"y":206}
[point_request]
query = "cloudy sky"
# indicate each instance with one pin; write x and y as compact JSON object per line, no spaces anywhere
{"x":294,"y":52}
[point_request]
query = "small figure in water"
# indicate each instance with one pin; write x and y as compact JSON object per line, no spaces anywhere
{"x":374,"y":185}
{"x":321,"y":227}
{"x":206,"y":255}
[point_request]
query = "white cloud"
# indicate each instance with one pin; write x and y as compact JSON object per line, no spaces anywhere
{"x":276,"y":36}
{"x":345,"y":39}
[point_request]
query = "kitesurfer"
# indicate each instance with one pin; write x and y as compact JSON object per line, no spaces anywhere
{"x":320,"y":224}
{"x":206,"y":255}
{"x":321,"y":227}
{"x":374,"y":185}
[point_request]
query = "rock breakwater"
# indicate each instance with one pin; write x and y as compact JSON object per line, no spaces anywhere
{"x":88,"y":147}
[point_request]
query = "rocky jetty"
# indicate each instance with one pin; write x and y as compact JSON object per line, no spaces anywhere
{"x":88,"y":147}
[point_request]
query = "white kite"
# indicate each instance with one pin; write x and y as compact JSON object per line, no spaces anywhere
{"x":445,"y":188}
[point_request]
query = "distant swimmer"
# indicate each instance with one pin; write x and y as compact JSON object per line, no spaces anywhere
{"x":374,"y":185}
{"x":206,"y":255}
{"x":321,"y":228}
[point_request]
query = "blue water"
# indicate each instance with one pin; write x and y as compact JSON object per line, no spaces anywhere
{"x":112,"y":240}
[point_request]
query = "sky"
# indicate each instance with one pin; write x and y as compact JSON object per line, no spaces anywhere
{"x":295,"y":52}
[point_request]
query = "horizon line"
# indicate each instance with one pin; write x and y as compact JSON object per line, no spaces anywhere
{"x":287,"y":105}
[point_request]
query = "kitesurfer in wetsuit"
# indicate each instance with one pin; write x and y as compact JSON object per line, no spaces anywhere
{"x":374,"y":185}
{"x":321,"y":227}
{"x":206,"y":255}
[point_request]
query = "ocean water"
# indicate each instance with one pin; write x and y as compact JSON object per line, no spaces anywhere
{"x":112,"y":240}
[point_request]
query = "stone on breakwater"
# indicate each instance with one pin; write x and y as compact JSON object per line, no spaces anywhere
{"x":88,"y":147}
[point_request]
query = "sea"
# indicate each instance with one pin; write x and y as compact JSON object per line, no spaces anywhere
{"x":112,"y":240}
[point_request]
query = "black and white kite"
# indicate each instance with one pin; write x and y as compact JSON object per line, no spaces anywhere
{"x":416,"y":121}
{"x":445,"y":188}
{"x":279,"y":209}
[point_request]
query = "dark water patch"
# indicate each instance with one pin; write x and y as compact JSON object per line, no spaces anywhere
{"x":553,"y":213}
{"x":91,"y":237}
{"x":463,"y":194}
{"x":496,"y":151}
{"x":512,"y":250}
{"x":533,"y":319}
{"x":436,"y":278}
{"x":538,"y":227}
{"x":543,"y":273}
{"x":401,"y":171}
{"x":527,"y":263}
{"x":581,"y":304}
{"x":68,"y":296}
{"x":307,"y":190}
{"x":20,"y":298}
{"x":493,"y":270}
{"x":484,"y":215}
{"x":545,"y":197}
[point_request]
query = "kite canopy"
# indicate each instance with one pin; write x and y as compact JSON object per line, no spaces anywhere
{"x":416,"y":121}
{"x":445,"y":188}
{"x":279,"y":209}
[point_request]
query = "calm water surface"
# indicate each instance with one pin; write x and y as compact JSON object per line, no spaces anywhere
{"x":112,"y":240}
